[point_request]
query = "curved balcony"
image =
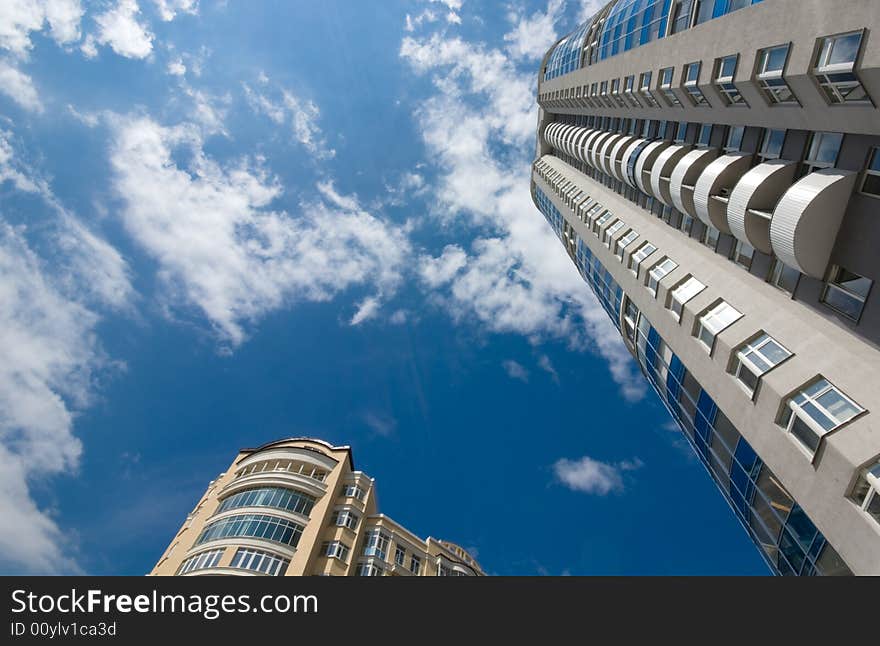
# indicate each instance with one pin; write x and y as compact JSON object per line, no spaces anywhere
{"x":806,"y":220}
{"x":604,"y":156}
{"x":566,"y":136}
{"x":684,"y":178}
{"x":550,"y":134}
{"x":753,"y":199}
{"x":276,"y":478}
{"x":714,"y":186}
{"x":587,"y":145}
{"x":645,"y":163}
{"x":616,"y":156}
{"x":627,"y":158}
{"x":661,"y":172}
{"x":579,"y":141}
{"x":596,"y":148}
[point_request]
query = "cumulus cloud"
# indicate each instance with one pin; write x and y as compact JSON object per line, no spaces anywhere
{"x":176,"y":67}
{"x":531,"y":36}
{"x":514,"y":276}
{"x":119,"y":28}
{"x":366,"y":309}
{"x":301,"y":115}
{"x":590,"y":476}
{"x":588,"y":9}
{"x":18,"y":18}
{"x":515,"y":370}
{"x":48,"y":359}
{"x":223,"y":250}
{"x":413,"y":23}
{"x":168,"y":9}
{"x":19,"y":87}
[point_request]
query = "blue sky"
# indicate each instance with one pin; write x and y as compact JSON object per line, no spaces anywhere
{"x":222,"y":223}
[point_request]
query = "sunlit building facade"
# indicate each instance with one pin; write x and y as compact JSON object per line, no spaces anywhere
{"x":298,"y":507}
{"x":713,"y":169}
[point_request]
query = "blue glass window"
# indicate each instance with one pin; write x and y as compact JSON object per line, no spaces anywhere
{"x":743,"y":471}
{"x":703,"y":421}
{"x":566,"y":57}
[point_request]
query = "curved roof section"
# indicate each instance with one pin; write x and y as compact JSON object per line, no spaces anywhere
{"x":312,"y":440}
{"x":633,"y":23}
{"x":806,"y":220}
{"x":566,"y":56}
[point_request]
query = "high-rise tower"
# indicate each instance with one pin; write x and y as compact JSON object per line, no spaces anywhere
{"x":712,"y":167}
{"x":298,"y":507}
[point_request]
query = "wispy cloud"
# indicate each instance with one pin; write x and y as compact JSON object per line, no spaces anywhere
{"x":590,"y":476}
{"x":515,"y":370}
{"x":547,"y":366}
{"x":222,"y":247}
{"x":19,"y":87}
{"x":283,"y":107}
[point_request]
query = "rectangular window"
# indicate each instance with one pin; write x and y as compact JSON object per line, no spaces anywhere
{"x":757,"y":358}
{"x":867,"y":491}
{"x":771,"y":144}
{"x":770,"y":75}
{"x":615,"y":93}
{"x":705,"y":136}
{"x":665,"y":86}
{"x":681,"y":132}
{"x":725,"y":69}
{"x":613,"y":228}
{"x":415,"y":564}
{"x":815,"y":411}
{"x":711,"y":237}
{"x":685,"y":291}
{"x":336,"y":550}
{"x":353,"y":491}
{"x":376,"y":544}
{"x":871,"y":181}
{"x":623,"y":242}
{"x":846,"y":292}
{"x":629,"y":91}
{"x":823,"y":151}
{"x":399,"y":555}
{"x":345,"y":518}
{"x":640,"y":254}
{"x":645,"y":90}
{"x":201,"y":561}
{"x":743,"y":253}
{"x":691,"y":79}
{"x":259,"y":561}
{"x":734,"y":138}
{"x":835,"y":69}
{"x":715,"y":321}
{"x":784,"y":277}
{"x":369,"y":569}
{"x":658,"y":272}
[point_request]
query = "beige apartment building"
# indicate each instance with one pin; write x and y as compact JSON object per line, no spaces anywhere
{"x":298,"y":507}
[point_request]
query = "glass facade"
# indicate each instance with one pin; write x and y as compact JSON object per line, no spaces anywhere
{"x":633,"y":23}
{"x":788,"y":540}
{"x":270,"y":528}
{"x":275,"y":497}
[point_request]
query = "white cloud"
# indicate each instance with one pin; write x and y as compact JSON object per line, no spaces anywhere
{"x":547,"y":366}
{"x":207,"y":110}
{"x":427,"y":16}
{"x":48,"y":359}
{"x":440,"y":271}
{"x":591,"y":476}
{"x":19,"y":87}
{"x":302,"y":115}
{"x":88,"y":119}
{"x":18,"y":18}
{"x":380,"y":423}
{"x":119,"y":28}
{"x":588,"y":9}
{"x":85,"y":264}
{"x":532,"y":36}
{"x":168,"y":9}
{"x":399,"y":317}
{"x":176,"y":67}
{"x":221,"y":247}
{"x":515,"y":370}
{"x":516,"y":278}
{"x":367,"y":309}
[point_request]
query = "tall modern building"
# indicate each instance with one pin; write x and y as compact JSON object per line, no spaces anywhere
{"x":712,"y":167}
{"x":298,"y":507}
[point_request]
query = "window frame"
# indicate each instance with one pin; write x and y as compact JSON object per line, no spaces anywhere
{"x":636,"y":258}
{"x":721,"y":82}
{"x":831,"y":284}
{"x":873,"y":157}
{"x":721,"y":310}
{"x":792,"y":410}
{"x":692,"y":87}
{"x":666,"y":87}
{"x":822,"y":71}
{"x":765,"y":79}
{"x":673,"y":300}
{"x":652,"y":276}
{"x":645,"y":79}
{"x":870,"y":476}
{"x":742,"y":361}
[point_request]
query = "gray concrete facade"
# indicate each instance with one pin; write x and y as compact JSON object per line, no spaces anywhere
{"x":813,"y":219}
